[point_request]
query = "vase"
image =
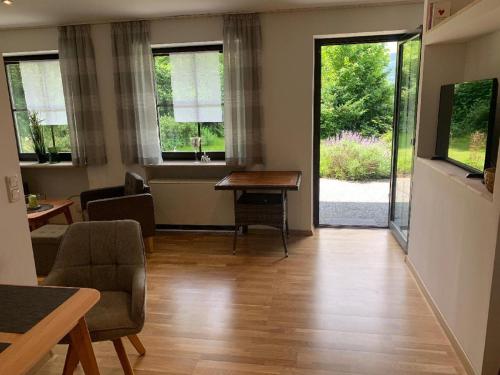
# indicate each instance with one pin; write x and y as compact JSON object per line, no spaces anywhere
{"x":489,"y":179}
{"x":42,"y":158}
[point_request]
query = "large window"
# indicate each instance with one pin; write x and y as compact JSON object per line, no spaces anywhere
{"x":35,"y":85}
{"x":189,"y":99}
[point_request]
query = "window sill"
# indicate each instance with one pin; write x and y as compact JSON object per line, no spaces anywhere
{"x":36,"y":165}
{"x":459,"y":175}
{"x":189,"y":163}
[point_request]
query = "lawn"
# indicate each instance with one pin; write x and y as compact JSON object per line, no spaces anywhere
{"x":464,"y":151}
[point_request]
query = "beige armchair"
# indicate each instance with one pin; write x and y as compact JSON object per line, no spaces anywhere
{"x":107,"y":256}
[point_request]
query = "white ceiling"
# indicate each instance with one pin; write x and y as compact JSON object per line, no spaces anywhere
{"x":28,"y":13}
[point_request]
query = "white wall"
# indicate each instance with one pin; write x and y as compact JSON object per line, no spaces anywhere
{"x":288,"y":59}
{"x":16,"y":256}
{"x":452,"y":246}
{"x":454,"y":221}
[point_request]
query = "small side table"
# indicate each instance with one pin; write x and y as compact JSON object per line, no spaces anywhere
{"x":261,"y":207}
{"x":38,"y":219}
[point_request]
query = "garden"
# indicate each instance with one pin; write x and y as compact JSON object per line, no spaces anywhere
{"x":357,"y":91}
{"x":357,"y":106}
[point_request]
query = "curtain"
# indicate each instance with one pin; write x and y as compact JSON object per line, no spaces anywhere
{"x":134,"y":87}
{"x":196,"y":86}
{"x":79,"y":80}
{"x":242,"y":75}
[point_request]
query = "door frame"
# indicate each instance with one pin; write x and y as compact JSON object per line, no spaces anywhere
{"x":392,"y":195}
{"x":318,"y":43}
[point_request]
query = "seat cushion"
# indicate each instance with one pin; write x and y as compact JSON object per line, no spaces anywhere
{"x":134,"y":184}
{"x":110,"y":317}
{"x":46,"y":241}
{"x":48,"y":234}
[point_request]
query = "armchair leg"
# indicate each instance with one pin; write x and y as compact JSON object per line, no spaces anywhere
{"x":71,"y":361}
{"x":122,"y":356}
{"x":136,"y":342}
{"x":150,"y":244}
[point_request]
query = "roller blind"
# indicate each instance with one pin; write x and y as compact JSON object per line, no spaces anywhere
{"x":43,"y":90}
{"x":196,"y":86}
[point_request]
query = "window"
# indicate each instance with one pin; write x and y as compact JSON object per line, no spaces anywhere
{"x":189,"y":99}
{"x":35,"y":85}
{"x":466,"y":124}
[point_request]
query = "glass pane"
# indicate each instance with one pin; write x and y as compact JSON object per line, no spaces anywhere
{"x":408,"y":96}
{"x":212,"y":137}
{"x":163,"y":81}
{"x":175,"y":136}
{"x":23,"y":132}
{"x":16,"y":86}
{"x":469,"y":123}
{"x":57,"y":136}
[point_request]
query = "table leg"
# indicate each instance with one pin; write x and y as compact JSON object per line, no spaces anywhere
{"x":80,"y":339}
{"x":67,"y":215}
{"x":284,"y":223}
{"x":71,"y":361}
{"x":236,"y":229}
{"x":283,"y":237}
{"x":286,"y":214}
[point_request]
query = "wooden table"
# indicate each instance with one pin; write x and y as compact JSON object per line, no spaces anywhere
{"x":40,"y":218}
{"x":261,"y":207}
{"x":33,"y":319}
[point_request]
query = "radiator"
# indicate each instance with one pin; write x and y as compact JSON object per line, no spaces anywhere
{"x":191,"y":202}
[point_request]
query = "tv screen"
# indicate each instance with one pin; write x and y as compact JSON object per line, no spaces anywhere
{"x":466,"y":124}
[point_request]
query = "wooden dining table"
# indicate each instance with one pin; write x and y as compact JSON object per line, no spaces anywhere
{"x":37,"y":219}
{"x":261,"y":198}
{"x":33,"y":319}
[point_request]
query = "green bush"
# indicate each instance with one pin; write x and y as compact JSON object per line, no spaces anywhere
{"x":355,"y":158}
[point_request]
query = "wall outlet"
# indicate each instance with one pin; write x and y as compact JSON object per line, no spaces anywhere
{"x":13,"y":191}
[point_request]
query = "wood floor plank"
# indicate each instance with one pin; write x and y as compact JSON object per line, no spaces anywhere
{"x":343,"y":303}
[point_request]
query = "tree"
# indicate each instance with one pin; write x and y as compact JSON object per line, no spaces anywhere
{"x":356,"y":93}
{"x":471,"y":107}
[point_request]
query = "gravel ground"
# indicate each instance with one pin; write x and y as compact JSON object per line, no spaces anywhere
{"x":354,"y":203}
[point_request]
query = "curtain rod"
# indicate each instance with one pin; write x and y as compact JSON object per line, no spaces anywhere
{"x":220,"y":14}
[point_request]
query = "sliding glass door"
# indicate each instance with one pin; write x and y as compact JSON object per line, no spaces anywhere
{"x":404,"y":136}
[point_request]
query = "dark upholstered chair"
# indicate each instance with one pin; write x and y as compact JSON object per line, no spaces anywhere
{"x":107,"y":256}
{"x":130,"y":201}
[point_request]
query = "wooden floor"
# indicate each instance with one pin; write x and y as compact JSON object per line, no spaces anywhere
{"x":343,"y":303}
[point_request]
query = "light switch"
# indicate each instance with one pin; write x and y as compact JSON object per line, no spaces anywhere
{"x":13,"y":191}
{"x":12,"y":182}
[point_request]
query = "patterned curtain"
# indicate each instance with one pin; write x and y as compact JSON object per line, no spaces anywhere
{"x":242,"y":75}
{"x":78,"y":71}
{"x":134,"y":87}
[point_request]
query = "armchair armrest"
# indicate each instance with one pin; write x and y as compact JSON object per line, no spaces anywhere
{"x":103,"y":193}
{"x":138,"y":297}
{"x":134,"y":207}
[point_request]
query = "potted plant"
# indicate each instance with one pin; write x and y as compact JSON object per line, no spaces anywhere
{"x":36,"y":132}
{"x":53,"y":155}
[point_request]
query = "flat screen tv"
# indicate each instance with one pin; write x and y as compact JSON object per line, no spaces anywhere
{"x":466,"y":125}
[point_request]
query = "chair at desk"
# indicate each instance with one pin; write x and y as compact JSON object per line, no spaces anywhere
{"x":107,"y":256}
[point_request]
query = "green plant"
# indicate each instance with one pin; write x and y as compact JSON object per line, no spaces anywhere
{"x":36,"y":132}
{"x":355,"y":158}
{"x":356,"y":89}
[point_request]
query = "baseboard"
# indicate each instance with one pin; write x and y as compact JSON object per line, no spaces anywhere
{"x":225,"y":228}
{"x":462,"y":356}
{"x":301,"y":232}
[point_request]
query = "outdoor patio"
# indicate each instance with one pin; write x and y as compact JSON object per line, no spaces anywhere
{"x":354,"y":203}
